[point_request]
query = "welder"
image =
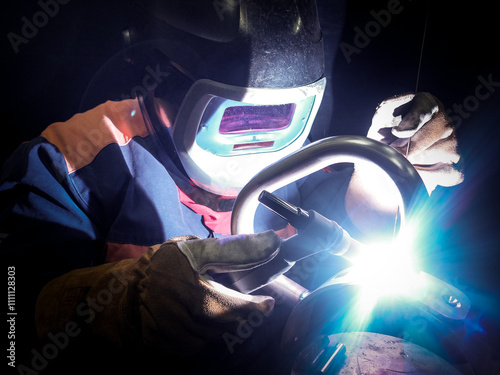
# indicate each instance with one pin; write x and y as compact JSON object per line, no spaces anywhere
{"x":119,"y":212}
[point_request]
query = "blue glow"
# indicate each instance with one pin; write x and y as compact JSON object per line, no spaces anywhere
{"x":383,"y":269}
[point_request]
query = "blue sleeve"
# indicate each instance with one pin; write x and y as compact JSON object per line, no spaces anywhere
{"x":46,"y":229}
{"x":44,"y":232}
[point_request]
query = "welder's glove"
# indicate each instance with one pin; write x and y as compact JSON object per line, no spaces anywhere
{"x":164,"y":299}
{"x":421,"y":120}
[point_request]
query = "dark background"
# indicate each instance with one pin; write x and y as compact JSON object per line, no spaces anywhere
{"x":50,"y":78}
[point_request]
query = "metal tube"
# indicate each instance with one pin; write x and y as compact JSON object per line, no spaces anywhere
{"x":285,"y":291}
{"x":319,"y":155}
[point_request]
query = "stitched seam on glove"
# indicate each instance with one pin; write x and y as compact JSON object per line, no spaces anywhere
{"x":223,"y":266}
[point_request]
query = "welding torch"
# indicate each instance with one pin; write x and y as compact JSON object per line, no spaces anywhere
{"x":315,"y":234}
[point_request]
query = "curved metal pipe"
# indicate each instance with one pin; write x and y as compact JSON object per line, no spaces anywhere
{"x":312,"y":158}
{"x":321,"y":154}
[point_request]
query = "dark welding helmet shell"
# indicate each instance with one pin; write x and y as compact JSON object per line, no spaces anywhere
{"x":247,"y":43}
{"x":246,"y":84}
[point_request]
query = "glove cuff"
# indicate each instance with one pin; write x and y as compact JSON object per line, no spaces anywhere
{"x":103,"y":300}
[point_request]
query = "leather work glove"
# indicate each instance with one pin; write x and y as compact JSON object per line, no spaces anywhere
{"x":417,"y":127}
{"x":165,"y":299}
{"x":420,"y":120}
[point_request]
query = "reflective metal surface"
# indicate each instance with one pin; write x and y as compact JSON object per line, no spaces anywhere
{"x":321,"y":154}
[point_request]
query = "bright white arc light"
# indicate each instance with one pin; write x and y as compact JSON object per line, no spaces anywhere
{"x":389,"y":269}
{"x":384,"y":269}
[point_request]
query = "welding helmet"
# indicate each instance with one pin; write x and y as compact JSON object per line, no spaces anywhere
{"x":255,"y":86}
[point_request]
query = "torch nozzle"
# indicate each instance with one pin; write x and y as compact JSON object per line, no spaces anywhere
{"x":294,"y":215}
{"x":315,"y":232}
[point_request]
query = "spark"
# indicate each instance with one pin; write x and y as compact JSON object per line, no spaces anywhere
{"x":384,"y":269}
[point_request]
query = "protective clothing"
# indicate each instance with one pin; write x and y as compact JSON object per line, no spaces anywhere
{"x":166,"y":298}
{"x":97,"y":189}
{"x":418,"y":127}
{"x":225,"y":135}
{"x":252,"y":94}
{"x":101,"y":187}
{"x":91,"y":195}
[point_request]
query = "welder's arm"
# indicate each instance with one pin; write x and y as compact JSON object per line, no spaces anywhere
{"x":417,"y":127}
{"x":164,"y":299}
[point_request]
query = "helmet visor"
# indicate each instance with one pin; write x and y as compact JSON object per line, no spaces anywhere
{"x":244,"y":119}
{"x":230,"y":127}
{"x":225,"y":134}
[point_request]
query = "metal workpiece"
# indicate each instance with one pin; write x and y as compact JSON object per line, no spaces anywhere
{"x":315,"y":234}
{"x":312,"y":158}
{"x":319,"y":155}
{"x":368,"y":353}
{"x":320,"y":357}
{"x":328,"y":311}
{"x":316,"y":319}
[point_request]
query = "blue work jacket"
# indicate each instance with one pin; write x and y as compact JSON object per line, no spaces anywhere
{"x":105,"y":185}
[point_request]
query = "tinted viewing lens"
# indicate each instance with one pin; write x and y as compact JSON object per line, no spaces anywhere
{"x":242,"y":119}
